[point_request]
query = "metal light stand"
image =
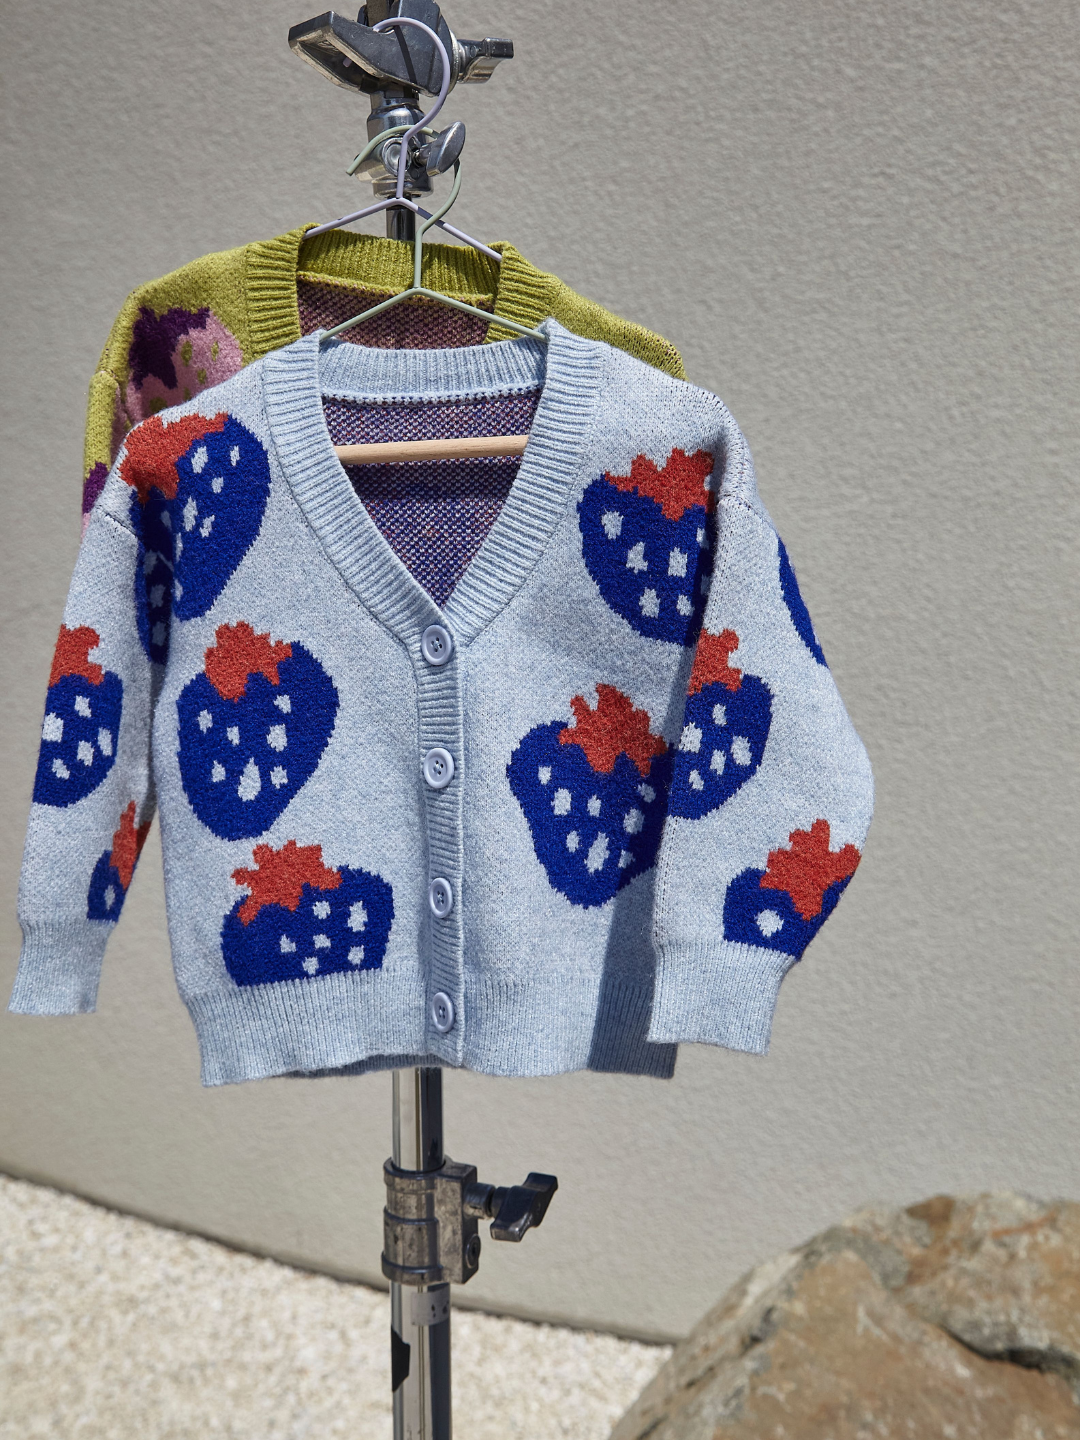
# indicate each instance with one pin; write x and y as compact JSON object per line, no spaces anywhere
{"x":434,"y":1206}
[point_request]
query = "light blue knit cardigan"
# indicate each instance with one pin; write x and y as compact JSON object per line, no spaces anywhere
{"x":595,"y":805}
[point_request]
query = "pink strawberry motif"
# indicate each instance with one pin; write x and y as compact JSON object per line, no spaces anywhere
{"x":784,"y":906}
{"x":593,"y":794}
{"x":725,"y":726}
{"x":645,"y":541}
{"x":302,"y":919}
{"x":253,"y":726}
{"x":115,"y":868}
{"x":81,"y":729}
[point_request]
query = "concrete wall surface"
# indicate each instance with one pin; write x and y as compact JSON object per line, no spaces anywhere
{"x":859,"y":224}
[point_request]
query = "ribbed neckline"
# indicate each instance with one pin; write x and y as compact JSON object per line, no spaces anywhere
{"x":570,"y":371}
{"x":515,"y":287}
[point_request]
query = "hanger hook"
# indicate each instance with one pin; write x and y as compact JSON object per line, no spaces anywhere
{"x":444,"y":90}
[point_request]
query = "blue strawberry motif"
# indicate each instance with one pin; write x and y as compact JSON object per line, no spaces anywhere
{"x":302,"y":919}
{"x":784,"y":906}
{"x":800,"y":616}
{"x":200,"y":492}
{"x":725,"y":727}
{"x":253,"y":727}
{"x":114,"y":869}
{"x":593,"y":794}
{"x":645,"y":541}
{"x":81,"y":729}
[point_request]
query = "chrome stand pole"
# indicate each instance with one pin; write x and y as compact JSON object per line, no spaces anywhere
{"x":420,"y":1315}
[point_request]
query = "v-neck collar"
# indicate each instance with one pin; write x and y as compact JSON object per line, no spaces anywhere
{"x":568,"y":369}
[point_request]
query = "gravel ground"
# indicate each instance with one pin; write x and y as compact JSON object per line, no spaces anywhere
{"x":115,"y":1329}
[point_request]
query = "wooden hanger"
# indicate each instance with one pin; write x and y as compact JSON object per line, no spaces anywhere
{"x":471,"y":447}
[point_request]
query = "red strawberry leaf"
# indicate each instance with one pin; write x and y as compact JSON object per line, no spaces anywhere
{"x":127,"y":844}
{"x":71,"y":656}
{"x":614,"y":728}
{"x":239,"y":652}
{"x":279,"y":877}
{"x":153,"y":448}
{"x":677,"y":486}
{"x":808,"y":869}
{"x":711,"y":662}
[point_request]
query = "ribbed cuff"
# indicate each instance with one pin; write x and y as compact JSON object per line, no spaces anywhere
{"x":718,"y":994}
{"x":59,"y":968}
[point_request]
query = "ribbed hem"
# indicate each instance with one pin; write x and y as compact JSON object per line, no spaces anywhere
{"x":351,"y":1024}
{"x":719,"y":994}
{"x":59,"y":968}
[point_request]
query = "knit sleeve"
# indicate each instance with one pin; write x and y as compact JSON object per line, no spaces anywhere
{"x":92,"y":800}
{"x":770,"y":800}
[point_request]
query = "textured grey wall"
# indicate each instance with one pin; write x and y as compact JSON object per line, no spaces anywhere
{"x":859,"y":224}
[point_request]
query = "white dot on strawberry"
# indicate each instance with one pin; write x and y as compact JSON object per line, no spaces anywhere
{"x":650,"y":603}
{"x":199,"y":459}
{"x":598,"y":854}
{"x":321,"y":911}
{"x":322,"y":942}
{"x":250,"y":782}
{"x":104,"y":740}
{"x":85,"y":752}
{"x":594,"y":805}
{"x":206,"y":720}
{"x":357,"y":917}
{"x":234,"y":454}
{"x":191,"y":511}
{"x":276,"y":738}
{"x":696,"y":782}
{"x":635,"y":557}
{"x":573,"y":840}
{"x":677,"y":563}
{"x":53,"y":729}
{"x":633,"y":820}
{"x":612,"y":523}
{"x":82,"y":706}
{"x":311,"y":964}
{"x":560,"y":802}
{"x":233,"y":732}
{"x":691,"y":738}
{"x":740,"y":750}
{"x":769,"y":922}
{"x":279,"y":776}
{"x":283,"y":703}
{"x":717,"y":762}
{"x":60,"y":770}
{"x":543,"y":774}
{"x":356,"y":955}
{"x":647,"y":793}
{"x":719,"y":715}
{"x":287,"y":945}
{"x":217,"y":772}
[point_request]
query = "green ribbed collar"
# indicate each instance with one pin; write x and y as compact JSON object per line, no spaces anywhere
{"x":516,"y":288}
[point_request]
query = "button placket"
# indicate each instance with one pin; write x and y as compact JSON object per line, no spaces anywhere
{"x":440,"y":749}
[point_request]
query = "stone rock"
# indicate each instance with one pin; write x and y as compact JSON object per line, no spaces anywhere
{"x":957,"y":1319}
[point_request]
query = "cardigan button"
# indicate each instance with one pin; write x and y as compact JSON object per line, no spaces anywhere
{"x":438,"y":768}
{"x":440,"y":898}
{"x":442,"y":1012}
{"x":436,"y":645}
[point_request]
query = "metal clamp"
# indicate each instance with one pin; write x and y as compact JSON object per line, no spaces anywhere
{"x":431,"y":1220}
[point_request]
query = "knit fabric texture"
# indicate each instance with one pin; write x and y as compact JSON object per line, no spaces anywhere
{"x":195,"y":327}
{"x":596,"y":802}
